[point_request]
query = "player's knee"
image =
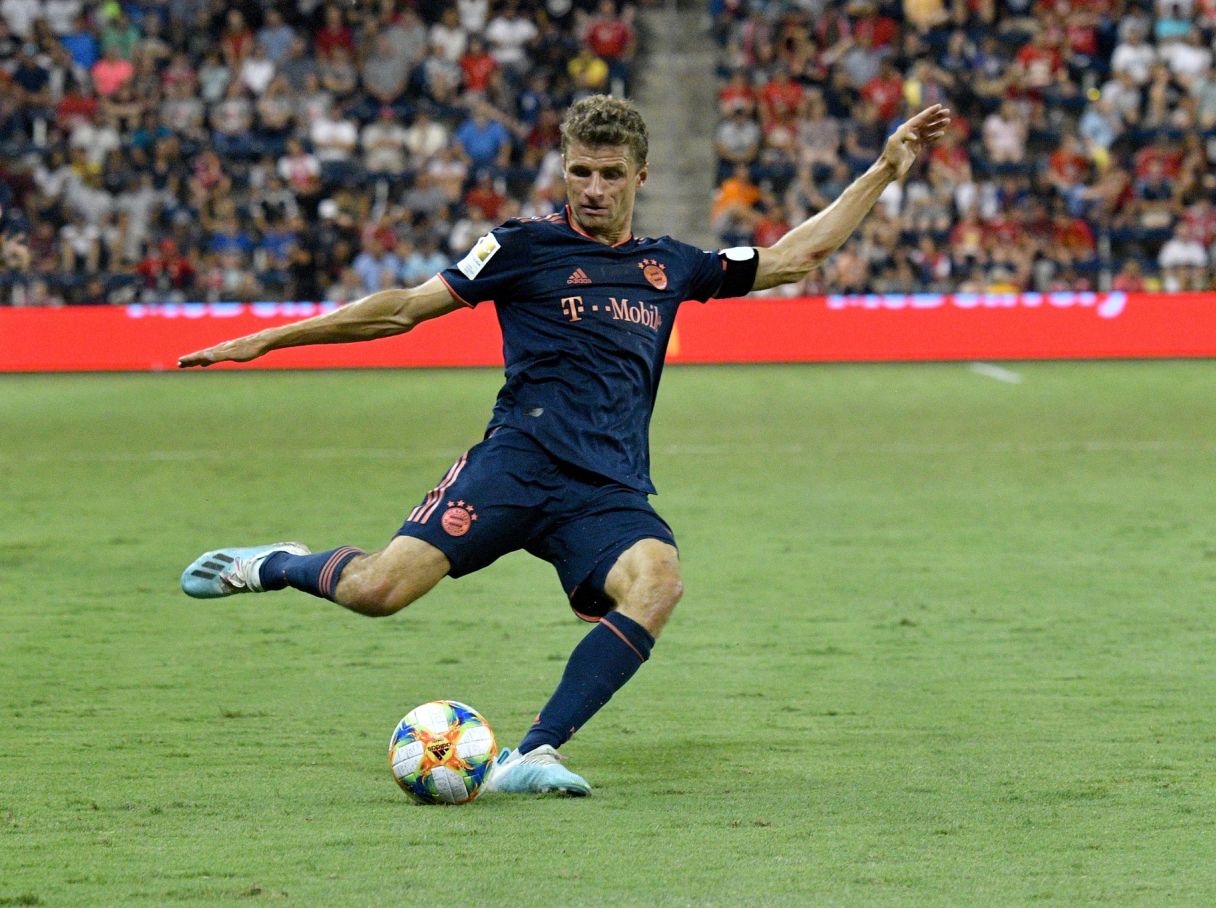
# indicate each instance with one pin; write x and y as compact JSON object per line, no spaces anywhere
{"x":646,"y":584}
{"x":668,"y":591}
{"x":654,"y":597}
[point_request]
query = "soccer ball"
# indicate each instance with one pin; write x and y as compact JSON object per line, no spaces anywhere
{"x":441,"y":752}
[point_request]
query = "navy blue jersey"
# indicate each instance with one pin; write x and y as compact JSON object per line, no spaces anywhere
{"x":585,"y":328}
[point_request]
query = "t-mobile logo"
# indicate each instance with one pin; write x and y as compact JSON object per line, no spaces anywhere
{"x":572,"y":307}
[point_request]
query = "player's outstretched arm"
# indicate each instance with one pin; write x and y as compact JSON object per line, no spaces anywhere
{"x":382,"y":314}
{"x":807,"y":245}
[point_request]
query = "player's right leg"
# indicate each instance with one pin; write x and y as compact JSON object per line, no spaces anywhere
{"x":374,"y":584}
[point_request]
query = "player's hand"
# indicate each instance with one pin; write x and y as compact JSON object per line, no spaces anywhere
{"x":240,"y":350}
{"x":914,"y":136}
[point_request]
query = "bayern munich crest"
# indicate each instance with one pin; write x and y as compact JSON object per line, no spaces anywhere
{"x":655,"y":273}
{"x":458,"y":518}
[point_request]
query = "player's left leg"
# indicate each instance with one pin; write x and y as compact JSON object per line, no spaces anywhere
{"x":644,"y":585}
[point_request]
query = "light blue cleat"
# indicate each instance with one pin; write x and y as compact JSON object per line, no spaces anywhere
{"x":226,"y":572}
{"x":536,"y":772}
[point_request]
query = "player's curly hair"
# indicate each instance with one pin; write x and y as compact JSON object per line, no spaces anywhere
{"x":604,"y":120}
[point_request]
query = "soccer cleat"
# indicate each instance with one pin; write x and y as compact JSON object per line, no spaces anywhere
{"x":226,"y":572}
{"x":536,"y":772}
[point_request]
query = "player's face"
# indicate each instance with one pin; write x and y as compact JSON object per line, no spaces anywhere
{"x":601,"y":182}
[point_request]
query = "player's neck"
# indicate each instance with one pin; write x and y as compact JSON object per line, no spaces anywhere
{"x":607,"y":237}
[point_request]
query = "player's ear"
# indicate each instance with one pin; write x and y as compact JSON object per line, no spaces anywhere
{"x":642,"y":174}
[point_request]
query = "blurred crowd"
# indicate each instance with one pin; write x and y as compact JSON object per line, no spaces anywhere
{"x":1081,"y":155}
{"x":204,"y":149}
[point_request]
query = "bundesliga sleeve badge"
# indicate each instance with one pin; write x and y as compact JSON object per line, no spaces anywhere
{"x":483,"y":250}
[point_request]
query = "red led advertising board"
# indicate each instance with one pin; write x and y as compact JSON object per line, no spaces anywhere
{"x":912,"y":327}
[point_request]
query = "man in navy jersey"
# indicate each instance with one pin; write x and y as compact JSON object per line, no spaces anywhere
{"x":586,"y":310}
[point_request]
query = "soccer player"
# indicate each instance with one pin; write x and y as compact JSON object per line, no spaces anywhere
{"x":586,"y":310}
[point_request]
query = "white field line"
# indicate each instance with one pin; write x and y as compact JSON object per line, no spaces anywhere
{"x":446,"y":455}
{"x":1000,"y":373}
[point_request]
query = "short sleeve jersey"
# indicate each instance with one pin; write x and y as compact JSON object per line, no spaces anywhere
{"x":585,"y":328}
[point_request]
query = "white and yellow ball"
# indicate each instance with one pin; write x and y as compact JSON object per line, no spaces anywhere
{"x":441,"y":753}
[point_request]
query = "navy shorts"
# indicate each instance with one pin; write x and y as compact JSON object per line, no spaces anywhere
{"x":509,"y":493}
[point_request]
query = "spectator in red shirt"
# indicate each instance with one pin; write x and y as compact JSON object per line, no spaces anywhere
{"x":1071,"y":238}
{"x":950,"y":158}
{"x":77,"y":104}
{"x":779,"y":99}
{"x":1169,"y":159}
{"x":1067,"y":166}
{"x":166,"y":269}
{"x":880,"y":30}
{"x":608,"y":34}
{"x":237,"y":39}
{"x":1040,"y":63}
{"x":485,"y":197}
{"x":334,"y":34}
{"x":771,"y":226}
{"x":1080,"y":35}
{"x":885,"y":91}
{"x":738,"y":91}
{"x":478,"y":65}
{"x":1007,"y":229}
{"x":610,"y":38}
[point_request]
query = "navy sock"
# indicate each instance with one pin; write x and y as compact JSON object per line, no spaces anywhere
{"x":317,"y":574}
{"x":599,"y":666}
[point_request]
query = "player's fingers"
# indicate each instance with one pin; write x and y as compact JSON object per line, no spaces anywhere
{"x":198,"y":358}
{"x":924,"y":116}
{"x":920,"y":127}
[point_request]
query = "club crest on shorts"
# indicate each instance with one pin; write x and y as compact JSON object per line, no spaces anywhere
{"x":458,"y":518}
{"x":655,"y":273}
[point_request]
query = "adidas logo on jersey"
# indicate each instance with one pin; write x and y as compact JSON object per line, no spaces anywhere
{"x":578,"y":277}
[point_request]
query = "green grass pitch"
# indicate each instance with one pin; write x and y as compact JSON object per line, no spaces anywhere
{"x":946,"y":641}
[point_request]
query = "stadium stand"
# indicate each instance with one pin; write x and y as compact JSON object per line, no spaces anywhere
{"x":203,"y":150}
{"x":1085,"y":138}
